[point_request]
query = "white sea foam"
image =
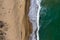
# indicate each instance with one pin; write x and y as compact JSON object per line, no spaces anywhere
{"x":34,"y":18}
{"x":38,"y":15}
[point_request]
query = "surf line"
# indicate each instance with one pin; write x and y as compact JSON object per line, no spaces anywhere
{"x":38,"y":15}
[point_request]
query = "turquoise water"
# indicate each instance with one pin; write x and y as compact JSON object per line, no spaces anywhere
{"x":50,"y":20}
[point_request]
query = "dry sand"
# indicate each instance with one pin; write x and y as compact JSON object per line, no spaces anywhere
{"x":15,"y":14}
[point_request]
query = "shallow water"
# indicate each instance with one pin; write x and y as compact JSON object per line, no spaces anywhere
{"x":33,"y":18}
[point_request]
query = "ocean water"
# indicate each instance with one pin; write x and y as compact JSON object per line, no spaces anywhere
{"x":49,"y":20}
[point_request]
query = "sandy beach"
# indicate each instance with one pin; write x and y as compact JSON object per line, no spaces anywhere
{"x":14,"y":13}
